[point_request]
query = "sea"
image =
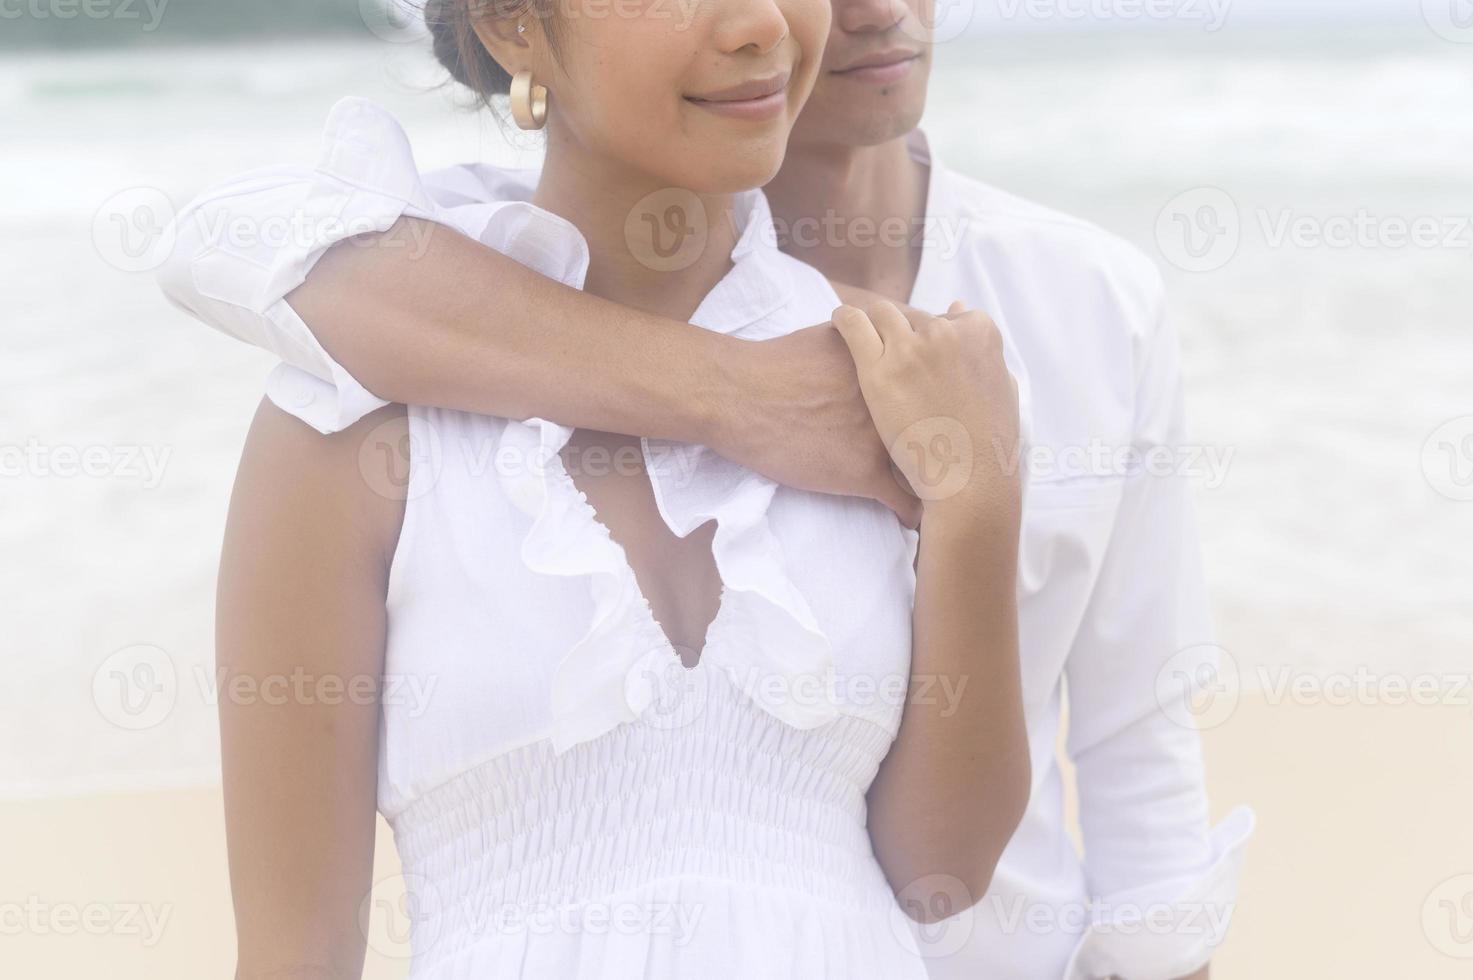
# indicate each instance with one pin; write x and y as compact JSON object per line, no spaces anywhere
{"x":1306,"y":190}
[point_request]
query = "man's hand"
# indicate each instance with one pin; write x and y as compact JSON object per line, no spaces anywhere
{"x":799,"y":418}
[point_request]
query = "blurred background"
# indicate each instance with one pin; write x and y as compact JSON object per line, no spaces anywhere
{"x":1300,"y":170}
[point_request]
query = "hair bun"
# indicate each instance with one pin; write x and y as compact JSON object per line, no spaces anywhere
{"x":440,"y":19}
{"x":461,"y":52}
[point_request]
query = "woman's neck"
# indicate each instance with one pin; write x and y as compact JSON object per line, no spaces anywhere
{"x":661,"y":253}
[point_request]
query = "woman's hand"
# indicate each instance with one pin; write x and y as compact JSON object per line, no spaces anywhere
{"x":943,"y":403}
{"x":947,"y":409}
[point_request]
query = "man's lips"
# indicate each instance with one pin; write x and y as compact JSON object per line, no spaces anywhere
{"x":762,"y":98}
{"x":882,"y":66}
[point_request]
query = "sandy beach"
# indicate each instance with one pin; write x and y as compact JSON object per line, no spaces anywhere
{"x":1340,"y":882}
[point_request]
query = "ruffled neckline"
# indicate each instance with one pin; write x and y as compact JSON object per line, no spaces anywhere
{"x":764,"y":637}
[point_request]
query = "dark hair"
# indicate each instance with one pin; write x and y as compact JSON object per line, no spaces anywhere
{"x":461,"y":52}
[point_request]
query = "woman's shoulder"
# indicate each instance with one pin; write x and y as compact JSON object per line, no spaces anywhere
{"x":342,"y":490}
{"x":366,"y":143}
{"x":480,"y":183}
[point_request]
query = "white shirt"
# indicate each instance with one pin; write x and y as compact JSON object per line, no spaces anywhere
{"x":1111,"y":597}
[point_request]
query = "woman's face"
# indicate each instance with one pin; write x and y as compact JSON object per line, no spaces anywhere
{"x":695,"y":94}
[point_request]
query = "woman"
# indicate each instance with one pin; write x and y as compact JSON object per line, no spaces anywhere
{"x":640,"y":712}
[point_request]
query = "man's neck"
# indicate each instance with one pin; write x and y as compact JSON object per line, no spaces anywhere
{"x":854,"y":213}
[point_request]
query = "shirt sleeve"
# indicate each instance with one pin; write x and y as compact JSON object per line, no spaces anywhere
{"x":1163,"y":883}
{"x":239,"y":249}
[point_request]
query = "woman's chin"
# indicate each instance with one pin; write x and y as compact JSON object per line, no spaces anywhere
{"x":741,"y":169}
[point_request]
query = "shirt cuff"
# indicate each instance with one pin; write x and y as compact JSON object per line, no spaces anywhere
{"x":365,"y":181}
{"x":1166,"y":929}
{"x":327,"y":407}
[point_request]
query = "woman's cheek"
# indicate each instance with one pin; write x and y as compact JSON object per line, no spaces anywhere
{"x":810,"y":23}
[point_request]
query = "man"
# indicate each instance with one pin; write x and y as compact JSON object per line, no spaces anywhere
{"x":1111,"y":599}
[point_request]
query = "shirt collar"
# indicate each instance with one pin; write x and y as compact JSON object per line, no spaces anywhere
{"x":919,"y":146}
{"x":950,"y":273}
{"x":930,"y":284}
{"x":757,"y":286}
{"x":542,"y":241}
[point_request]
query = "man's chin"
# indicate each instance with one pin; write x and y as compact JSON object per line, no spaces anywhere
{"x":852,"y":127}
{"x":860,"y":114}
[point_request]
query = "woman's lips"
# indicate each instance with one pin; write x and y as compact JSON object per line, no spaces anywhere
{"x":882,"y":70}
{"x":759,"y":100}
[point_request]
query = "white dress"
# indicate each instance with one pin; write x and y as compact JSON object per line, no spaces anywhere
{"x":569,"y":801}
{"x":1087,"y":337}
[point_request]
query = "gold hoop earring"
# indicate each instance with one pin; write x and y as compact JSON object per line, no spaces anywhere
{"x":528,"y":101}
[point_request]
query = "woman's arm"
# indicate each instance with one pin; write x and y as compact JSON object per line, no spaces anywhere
{"x":300,"y":648}
{"x":955,"y":783}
